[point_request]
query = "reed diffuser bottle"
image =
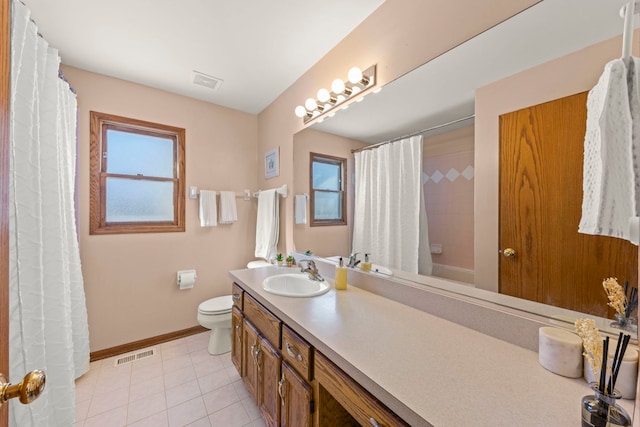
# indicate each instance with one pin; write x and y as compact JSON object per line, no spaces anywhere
{"x":600,"y":409}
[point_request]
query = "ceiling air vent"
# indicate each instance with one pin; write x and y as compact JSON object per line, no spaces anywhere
{"x":133,"y":357}
{"x":205,"y":80}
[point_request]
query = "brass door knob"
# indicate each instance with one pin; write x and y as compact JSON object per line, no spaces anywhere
{"x":27,"y":390}
{"x":509,"y":252}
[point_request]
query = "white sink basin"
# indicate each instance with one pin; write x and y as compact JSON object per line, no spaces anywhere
{"x":294,"y":285}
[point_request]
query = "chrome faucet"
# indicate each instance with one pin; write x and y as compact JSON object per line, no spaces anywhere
{"x":353,"y":260}
{"x":311,"y":269}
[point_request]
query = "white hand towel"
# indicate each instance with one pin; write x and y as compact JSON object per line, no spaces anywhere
{"x":228,"y":211}
{"x":208,"y":209}
{"x":301,"y":209}
{"x":267,"y":224}
{"x":608,"y":185}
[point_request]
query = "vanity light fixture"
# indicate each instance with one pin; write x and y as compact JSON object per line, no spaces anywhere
{"x":357,"y":83}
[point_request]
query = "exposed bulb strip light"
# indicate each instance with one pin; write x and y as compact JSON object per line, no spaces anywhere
{"x":357,"y":83}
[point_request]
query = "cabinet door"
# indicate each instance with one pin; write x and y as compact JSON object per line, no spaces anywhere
{"x":250,"y":354}
{"x":358,"y":402}
{"x":296,"y":398}
{"x":268,"y":363}
{"x":236,"y":339}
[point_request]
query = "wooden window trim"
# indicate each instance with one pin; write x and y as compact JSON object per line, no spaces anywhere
{"x":99,"y":123}
{"x":343,"y":185}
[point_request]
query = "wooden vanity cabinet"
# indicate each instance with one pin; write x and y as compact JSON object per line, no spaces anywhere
{"x":237,"y":294}
{"x":296,"y":399}
{"x":292,"y":384}
{"x":236,"y":338}
{"x":261,"y":372}
{"x":268,"y":364}
{"x":250,"y":347}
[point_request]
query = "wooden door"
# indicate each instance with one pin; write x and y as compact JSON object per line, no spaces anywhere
{"x":4,"y":198}
{"x":250,"y":346}
{"x":268,"y":376}
{"x":236,"y":339}
{"x":296,"y":398}
{"x":541,"y":157}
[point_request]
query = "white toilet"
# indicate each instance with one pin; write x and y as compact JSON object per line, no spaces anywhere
{"x":215,"y":314}
{"x":258,"y":263}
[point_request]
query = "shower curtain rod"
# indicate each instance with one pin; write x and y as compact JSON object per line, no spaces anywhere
{"x":453,"y":122}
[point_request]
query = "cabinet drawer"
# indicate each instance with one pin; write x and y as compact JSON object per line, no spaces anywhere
{"x":359,"y":403}
{"x":268,"y":324}
{"x":236,"y":294}
{"x":297,"y":352}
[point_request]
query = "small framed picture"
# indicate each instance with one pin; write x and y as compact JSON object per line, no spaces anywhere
{"x":271,"y":163}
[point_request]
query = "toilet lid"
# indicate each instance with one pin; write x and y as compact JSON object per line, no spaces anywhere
{"x":218,"y":305}
{"x":258,"y":263}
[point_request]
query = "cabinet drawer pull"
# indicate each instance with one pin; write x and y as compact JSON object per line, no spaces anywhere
{"x":236,"y":297}
{"x":373,"y":422}
{"x":238,"y":334}
{"x":292,"y":353}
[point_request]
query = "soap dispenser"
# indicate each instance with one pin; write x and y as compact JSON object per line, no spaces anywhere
{"x":366,"y":264}
{"x":341,"y":276}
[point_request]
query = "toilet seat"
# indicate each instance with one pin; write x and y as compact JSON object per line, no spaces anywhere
{"x":258,"y":263}
{"x":218,"y":305}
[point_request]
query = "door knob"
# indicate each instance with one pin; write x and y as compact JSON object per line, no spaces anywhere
{"x":27,"y":390}
{"x":508,"y":252}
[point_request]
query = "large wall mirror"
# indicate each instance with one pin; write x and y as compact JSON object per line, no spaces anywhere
{"x":552,"y":50}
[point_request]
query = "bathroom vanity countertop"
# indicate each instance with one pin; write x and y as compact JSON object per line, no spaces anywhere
{"x":428,"y":370}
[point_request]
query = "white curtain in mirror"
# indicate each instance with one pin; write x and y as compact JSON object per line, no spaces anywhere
{"x":48,"y":316}
{"x":389,"y":206}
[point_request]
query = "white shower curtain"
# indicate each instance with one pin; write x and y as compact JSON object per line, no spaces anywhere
{"x":390,"y":220}
{"x":48,"y":317}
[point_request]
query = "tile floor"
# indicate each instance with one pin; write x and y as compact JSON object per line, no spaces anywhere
{"x":181,"y":385}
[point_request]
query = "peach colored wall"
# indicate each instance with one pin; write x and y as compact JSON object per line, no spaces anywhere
{"x":450,"y":203}
{"x":325,"y":240}
{"x":130,"y":279}
{"x":399,"y":36}
{"x":565,"y":76}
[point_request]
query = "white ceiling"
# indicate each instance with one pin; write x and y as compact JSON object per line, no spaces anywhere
{"x":443,"y":90}
{"x":259,"y":48}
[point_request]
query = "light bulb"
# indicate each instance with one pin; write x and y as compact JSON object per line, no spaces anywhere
{"x":323,"y":95}
{"x":355,"y":75}
{"x":310,"y":104}
{"x":300,"y":111}
{"x":337,"y":86}
{"x":355,"y":90}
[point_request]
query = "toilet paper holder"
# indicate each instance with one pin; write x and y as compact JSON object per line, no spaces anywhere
{"x":186,"y":278}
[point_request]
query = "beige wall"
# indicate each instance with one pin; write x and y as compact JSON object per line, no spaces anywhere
{"x":565,"y":76}
{"x":130,"y":279}
{"x":398,"y":36}
{"x":325,"y":240}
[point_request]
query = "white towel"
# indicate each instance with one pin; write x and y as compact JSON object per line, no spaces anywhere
{"x":608,"y":185}
{"x":228,"y":211}
{"x":208,"y":209}
{"x":301,"y":209}
{"x":267,"y":224}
